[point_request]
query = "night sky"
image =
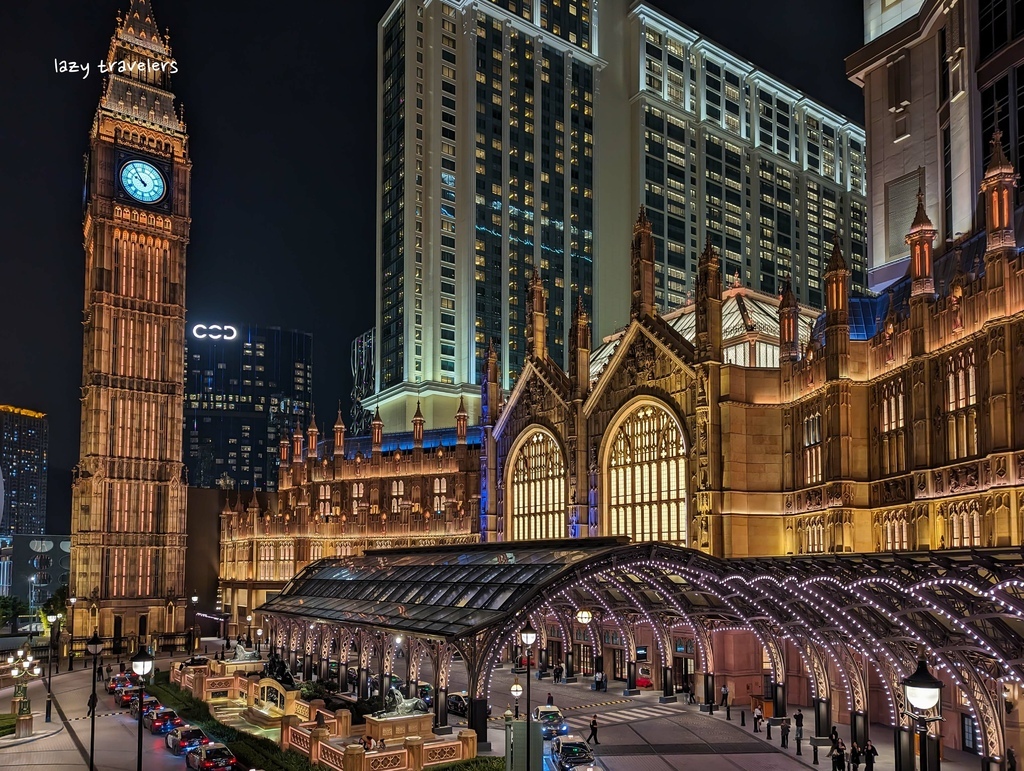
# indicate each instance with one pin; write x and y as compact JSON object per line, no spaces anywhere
{"x":279,"y":101}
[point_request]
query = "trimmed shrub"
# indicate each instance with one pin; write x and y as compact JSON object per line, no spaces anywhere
{"x":474,"y":764}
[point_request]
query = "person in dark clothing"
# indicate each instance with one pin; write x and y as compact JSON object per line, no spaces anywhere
{"x":1011,"y":760}
{"x":551,"y":700}
{"x":855,"y":756}
{"x":838,"y":755}
{"x":798,"y":721}
{"x":784,"y":730}
{"x":870,"y":753}
{"x":834,"y":736}
{"x":92,"y":704}
{"x":593,"y":731}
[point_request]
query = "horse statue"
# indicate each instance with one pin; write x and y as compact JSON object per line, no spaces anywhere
{"x":241,"y":654}
{"x":396,"y":704}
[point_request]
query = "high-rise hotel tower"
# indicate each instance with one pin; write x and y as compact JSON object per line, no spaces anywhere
{"x":514,"y":133}
{"x":128,"y":510}
{"x":486,"y":173}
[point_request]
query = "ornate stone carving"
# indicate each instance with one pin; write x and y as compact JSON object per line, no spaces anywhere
{"x":641,"y":359}
{"x":921,"y":481}
{"x":534,"y":396}
{"x":997,"y":340}
{"x":963,"y":478}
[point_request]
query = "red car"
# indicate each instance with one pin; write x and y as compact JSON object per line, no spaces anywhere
{"x":643,"y":678}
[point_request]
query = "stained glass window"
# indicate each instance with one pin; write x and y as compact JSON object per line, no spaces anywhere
{"x":537,"y":492}
{"x":647,"y":477}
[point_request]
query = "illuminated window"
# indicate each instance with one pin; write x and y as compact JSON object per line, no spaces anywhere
{"x":892,"y":436}
{"x":961,"y":405}
{"x":537,"y":490}
{"x":812,"y":449}
{"x":647,"y":477}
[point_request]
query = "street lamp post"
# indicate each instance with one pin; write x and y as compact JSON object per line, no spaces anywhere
{"x":95,"y":647}
{"x":54,"y":619}
{"x":259,"y":641}
{"x":71,"y":634}
{"x":517,"y":691}
{"x":142,"y":663}
{"x":528,"y":636}
{"x":195,"y":611}
{"x":248,"y":635}
{"x":923,"y":691}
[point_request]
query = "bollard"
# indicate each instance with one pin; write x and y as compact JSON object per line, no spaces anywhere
{"x":798,"y":746}
{"x":743,"y":717}
{"x":728,"y":712}
{"x":768,"y":735}
{"x":815,"y":748}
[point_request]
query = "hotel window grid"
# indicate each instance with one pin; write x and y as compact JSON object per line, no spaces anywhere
{"x":647,"y":477}
{"x":538,"y":489}
{"x":895,"y":535}
{"x":811,"y":533}
{"x":812,"y":449}
{"x":892,"y":434}
{"x":961,"y":404}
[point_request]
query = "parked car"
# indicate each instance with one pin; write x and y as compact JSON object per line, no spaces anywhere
{"x":162,"y":720}
{"x":212,"y":755}
{"x":181,"y":740}
{"x":458,"y":704}
{"x":551,"y":721}
{"x":121,"y":680}
{"x":570,"y":751}
{"x":123,"y":696}
{"x":426,"y":692}
{"x":197,"y":661}
{"x":150,"y":703}
{"x":643,"y":678}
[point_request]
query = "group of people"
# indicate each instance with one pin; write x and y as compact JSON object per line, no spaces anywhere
{"x":600,"y":681}
{"x":844,"y":759}
{"x":369,"y":743}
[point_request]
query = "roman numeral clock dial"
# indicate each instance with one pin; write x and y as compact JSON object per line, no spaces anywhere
{"x":143,"y":182}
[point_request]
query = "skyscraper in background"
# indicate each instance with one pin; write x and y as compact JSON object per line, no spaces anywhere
{"x":245,"y":386}
{"x":514,"y":134}
{"x":24,"y":441}
{"x":363,"y":382}
{"x":486,"y":173}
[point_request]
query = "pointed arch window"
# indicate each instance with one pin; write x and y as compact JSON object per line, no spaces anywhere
{"x":646,"y":476}
{"x":536,"y":502}
{"x":812,"y":449}
{"x":961,"y":404}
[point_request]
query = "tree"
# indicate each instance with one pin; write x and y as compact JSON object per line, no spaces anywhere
{"x":57,"y":603}
{"x":10,"y":608}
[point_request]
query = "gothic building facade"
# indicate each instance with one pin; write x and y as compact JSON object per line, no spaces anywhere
{"x":894,"y":426}
{"x":128,"y":510}
{"x":338,"y":498}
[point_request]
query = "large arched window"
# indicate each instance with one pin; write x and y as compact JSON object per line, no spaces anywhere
{"x":537,"y":490}
{"x":647,"y":477}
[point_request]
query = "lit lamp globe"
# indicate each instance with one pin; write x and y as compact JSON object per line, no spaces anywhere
{"x":259,"y":632}
{"x":52,"y":618}
{"x":584,"y":616}
{"x":517,"y":689}
{"x":922,"y":688}
{"x":142,"y":663}
{"x":528,"y":635}
{"x":195,"y":599}
{"x":95,"y":644}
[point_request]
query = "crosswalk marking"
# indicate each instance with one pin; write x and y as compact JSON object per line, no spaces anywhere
{"x":625,"y":715}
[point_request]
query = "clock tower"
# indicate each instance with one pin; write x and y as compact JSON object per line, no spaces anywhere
{"x":128,"y":510}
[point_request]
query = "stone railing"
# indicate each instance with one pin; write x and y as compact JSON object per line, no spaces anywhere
{"x":302,"y":710}
{"x":299,"y":739}
{"x":436,"y":753}
{"x":414,"y":755}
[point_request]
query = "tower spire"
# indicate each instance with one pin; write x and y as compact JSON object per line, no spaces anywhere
{"x":139,"y":23}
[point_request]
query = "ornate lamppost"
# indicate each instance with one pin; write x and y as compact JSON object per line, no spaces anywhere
{"x":248,"y":635}
{"x":195,"y":612}
{"x":259,"y":641}
{"x":528,"y":636}
{"x":923,"y":690}
{"x":22,"y":666}
{"x":517,"y":691}
{"x":142,"y":663}
{"x":95,"y":647}
{"x":54,"y":619}
{"x":71,"y":634}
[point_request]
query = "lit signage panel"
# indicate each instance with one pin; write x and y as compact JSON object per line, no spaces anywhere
{"x":214,"y":332}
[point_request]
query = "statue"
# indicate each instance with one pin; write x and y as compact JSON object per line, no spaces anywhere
{"x":241,"y":654}
{"x":396,"y":704}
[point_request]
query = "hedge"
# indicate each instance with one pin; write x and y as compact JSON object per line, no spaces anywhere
{"x":7,"y":723}
{"x":489,"y":763}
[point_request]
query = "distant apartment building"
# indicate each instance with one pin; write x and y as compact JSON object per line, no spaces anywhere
{"x":938,"y":79}
{"x":24,"y":443}
{"x":246,"y":386}
{"x":363,"y":382}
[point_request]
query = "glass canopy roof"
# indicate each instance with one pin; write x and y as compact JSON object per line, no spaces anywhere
{"x":444,"y":592}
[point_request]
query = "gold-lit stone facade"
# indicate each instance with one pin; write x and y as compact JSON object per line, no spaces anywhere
{"x":128,"y":510}
{"x":333,"y":503}
{"x":897,"y":425}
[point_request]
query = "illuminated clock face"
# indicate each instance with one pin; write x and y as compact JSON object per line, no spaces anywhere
{"x":143,"y":182}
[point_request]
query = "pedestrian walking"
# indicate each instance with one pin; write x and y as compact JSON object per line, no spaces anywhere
{"x":870,"y":753}
{"x":558,"y":673}
{"x":92,"y":704}
{"x":725,"y":695}
{"x":690,"y":688}
{"x":593,"y":730}
{"x":784,"y":730}
{"x":1011,"y":760}
{"x":758,"y":714}
{"x":834,"y":736}
{"x":855,"y":756}
{"x":110,"y":670}
{"x":551,"y":700}
{"x":838,"y":755}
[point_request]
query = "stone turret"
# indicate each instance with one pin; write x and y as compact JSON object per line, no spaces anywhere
{"x":313,"y":437}
{"x":461,"y":422}
{"x":579,"y":353}
{"x":418,"y":422}
{"x":997,"y":190}
{"x":376,"y":433}
{"x":920,"y":239}
{"x":789,"y":325}
{"x":339,"y":436}
{"x":642,"y":267}
{"x":709,"y":304}
{"x":837,"y":314}
{"x":537,"y":317}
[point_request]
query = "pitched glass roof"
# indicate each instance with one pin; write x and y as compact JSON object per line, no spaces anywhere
{"x":444,"y":592}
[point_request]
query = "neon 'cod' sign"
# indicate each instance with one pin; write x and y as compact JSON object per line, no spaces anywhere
{"x":214,"y":332}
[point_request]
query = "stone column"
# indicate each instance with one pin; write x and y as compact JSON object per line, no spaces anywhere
{"x":344,"y":718}
{"x":414,"y":746}
{"x":286,"y":723}
{"x":468,"y":740}
{"x":317,"y":735}
{"x":353,"y":758}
